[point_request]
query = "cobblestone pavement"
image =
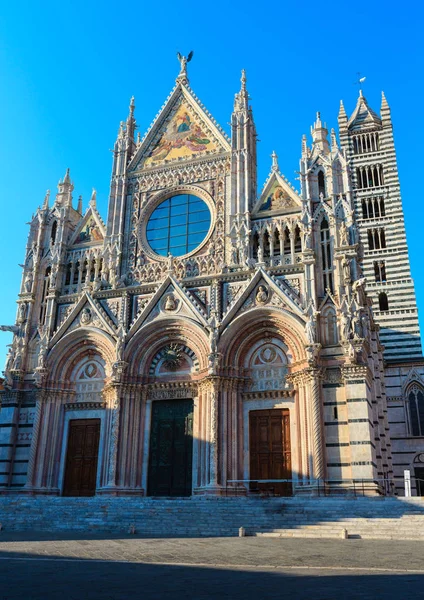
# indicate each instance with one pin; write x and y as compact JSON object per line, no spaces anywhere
{"x":89,"y":567}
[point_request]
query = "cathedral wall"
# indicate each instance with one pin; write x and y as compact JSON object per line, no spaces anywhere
{"x":407,"y":444}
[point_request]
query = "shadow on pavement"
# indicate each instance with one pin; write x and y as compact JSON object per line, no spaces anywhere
{"x":89,"y":580}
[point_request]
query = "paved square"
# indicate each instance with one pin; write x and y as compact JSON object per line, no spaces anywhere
{"x":74,"y":566}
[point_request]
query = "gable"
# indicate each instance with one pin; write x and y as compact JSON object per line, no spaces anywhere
{"x":183,"y":137}
{"x":182,"y":131}
{"x":90,"y":229}
{"x":87,"y":312}
{"x":169,"y":301}
{"x":264,"y":291}
{"x":277,"y":197}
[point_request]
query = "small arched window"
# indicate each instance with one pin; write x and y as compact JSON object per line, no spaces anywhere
{"x":287,"y":249}
{"x":297,"y":240}
{"x":416,"y":409}
{"x":54,"y":232}
{"x":68,"y":274}
{"x":76,"y":273}
{"x":321,"y":184}
{"x":266,"y":243}
{"x":383,"y":301}
{"x":255,"y":244}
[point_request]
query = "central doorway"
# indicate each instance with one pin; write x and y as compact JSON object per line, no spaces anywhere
{"x":171,"y":448}
{"x":81,"y":457}
{"x":270,"y":453}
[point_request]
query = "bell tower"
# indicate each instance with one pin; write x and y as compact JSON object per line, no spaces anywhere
{"x":367,"y":140}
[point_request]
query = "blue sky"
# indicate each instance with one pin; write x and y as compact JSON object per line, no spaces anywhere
{"x":68,"y":70}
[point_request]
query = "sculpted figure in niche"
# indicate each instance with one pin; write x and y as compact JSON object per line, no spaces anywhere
{"x":18,"y":362}
{"x":311,"y":328}
{"x":345,"y":324}
{"x":262,"y":295}
{"x":346,"y":269}
{"x":85,"y":316}
{"x":260,"y":254}
{"x":170,"y":303}
{"x":344,"y":234}
{"x":9,"y":360}
{"x":22,"y":312}
{"x":28,"y":282}
{"x":307,"y":240}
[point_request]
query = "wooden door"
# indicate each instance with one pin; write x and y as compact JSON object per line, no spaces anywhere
{"x":171,"y":448}
{"x":81,"y":457}
{"x":419,"y":478}
{"x":270,"y":454}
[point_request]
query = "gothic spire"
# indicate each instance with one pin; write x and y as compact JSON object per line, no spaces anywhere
{"x":241,"y":99}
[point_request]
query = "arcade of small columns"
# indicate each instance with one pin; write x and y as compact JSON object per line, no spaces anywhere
{"x":83,"y":267}
{"x":277,"y":239}
{"x":219,"y":428}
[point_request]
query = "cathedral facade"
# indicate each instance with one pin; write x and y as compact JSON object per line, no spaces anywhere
{"x":207,"y":339}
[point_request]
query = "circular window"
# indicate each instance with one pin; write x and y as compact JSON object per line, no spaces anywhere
{"x":178,"y":225}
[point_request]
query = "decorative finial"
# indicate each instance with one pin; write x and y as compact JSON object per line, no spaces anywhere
{"x":79,"y":206}
{"x":333,"y":139}
{"x":274,"y":166}
{"x":132,"y":104}
{"x":138,"y":137}
{"x":182,"y":76}
{"x":93,"y":198}
{"x":318,"y":122}
{"x":243,"y":80}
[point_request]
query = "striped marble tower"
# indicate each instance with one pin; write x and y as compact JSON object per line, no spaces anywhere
{"x":368,"y":142}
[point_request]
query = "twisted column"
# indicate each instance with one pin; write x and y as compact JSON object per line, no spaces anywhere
{"x":317,"y":435}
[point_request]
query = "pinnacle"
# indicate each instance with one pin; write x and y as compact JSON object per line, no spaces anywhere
{"x":274,"y":157}
{"x":46,"y":200}
{"x":384,"y":103}
{"x":93,"y":198}
{"x":342,"y":112}
{"x":67,"y":178}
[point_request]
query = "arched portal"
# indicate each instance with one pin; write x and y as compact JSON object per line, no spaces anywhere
{"x":171,"y":404}
{"x":266,"y":420}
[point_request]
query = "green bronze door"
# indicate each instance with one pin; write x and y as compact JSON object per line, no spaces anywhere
{"x":171,"y":448}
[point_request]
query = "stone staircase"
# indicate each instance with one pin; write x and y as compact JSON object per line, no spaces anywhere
{"x":367,"y":518}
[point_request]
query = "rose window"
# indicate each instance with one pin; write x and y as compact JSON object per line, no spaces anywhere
{"x":178,"y":225}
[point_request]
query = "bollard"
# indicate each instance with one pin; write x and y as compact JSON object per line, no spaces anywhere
{"x":344,"y":534}
{"x":242,"y":532}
